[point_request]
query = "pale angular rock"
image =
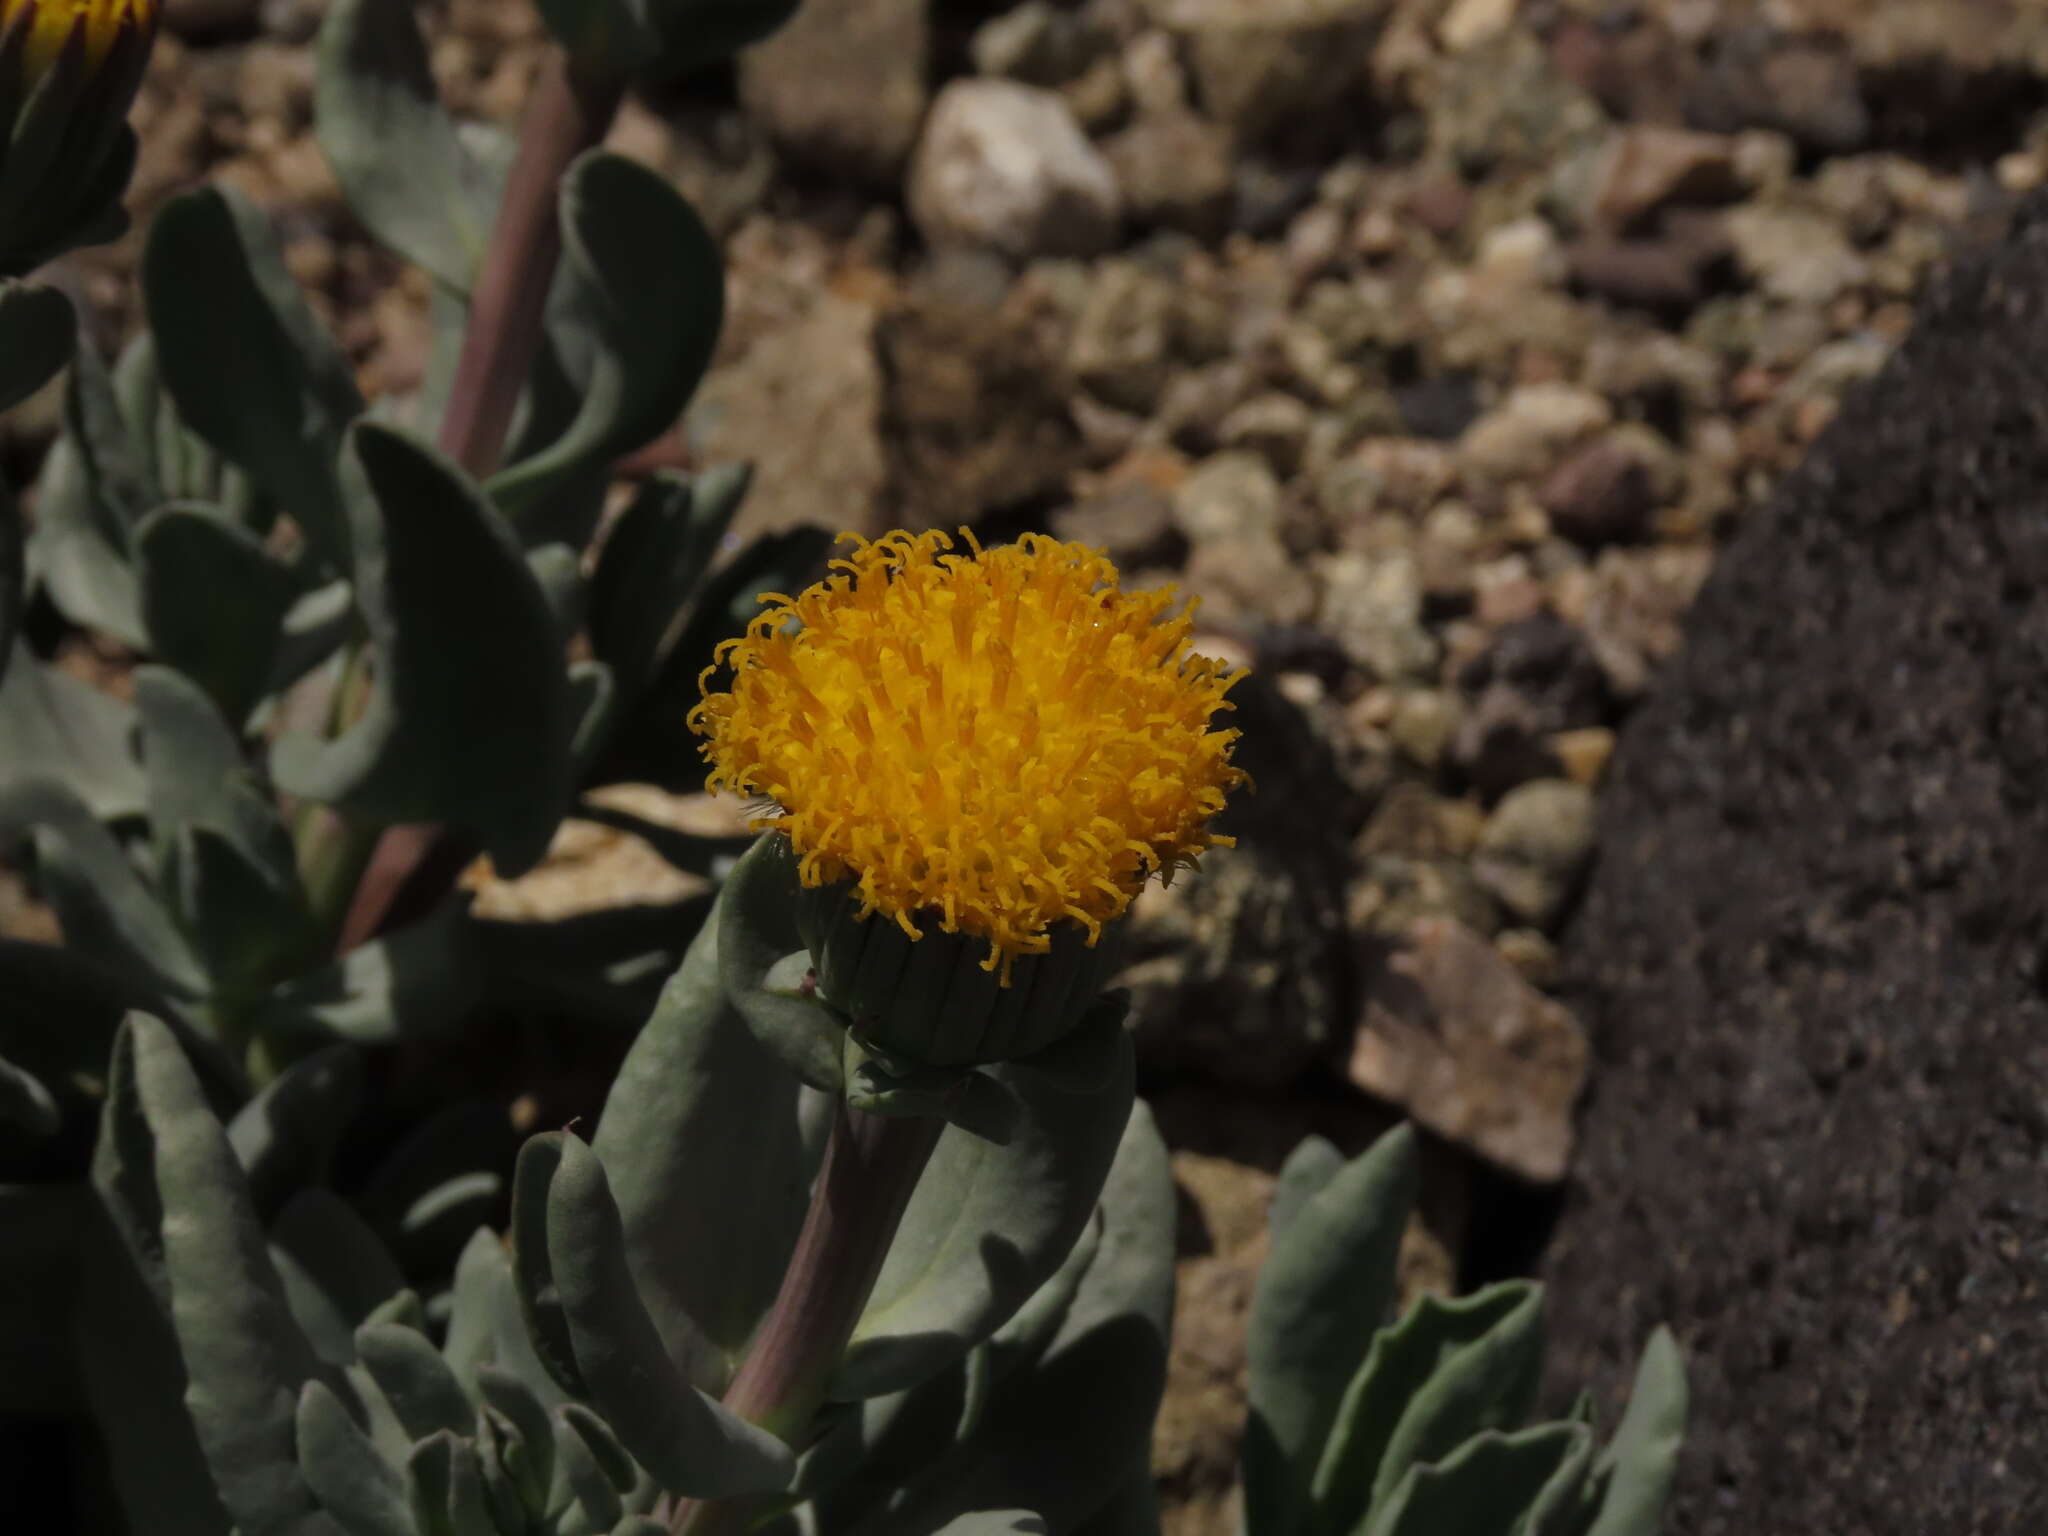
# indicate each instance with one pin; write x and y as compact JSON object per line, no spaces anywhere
{"x":1795,"y":255}
{"x":1523,"y":434}
{"x":1261,"y":65}
{"x":1005,"y":166}
{"x":1535,"y":846}
{"x":1452,"y":1033}
{"x":1650,"y":165}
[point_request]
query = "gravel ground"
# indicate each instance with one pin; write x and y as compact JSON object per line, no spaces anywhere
{"x":1436,"y":345}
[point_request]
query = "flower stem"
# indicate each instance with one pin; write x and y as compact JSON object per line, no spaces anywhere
{"x":570,"y":113}
{"x":872,"y":1163}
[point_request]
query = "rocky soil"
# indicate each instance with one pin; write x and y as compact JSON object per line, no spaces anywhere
{"x":1438,"y":346}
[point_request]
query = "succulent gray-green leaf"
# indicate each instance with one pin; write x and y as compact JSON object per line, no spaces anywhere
{"x":1642,"y":1459}
{"x":352,"y":1481}
{"x":418,"y":983}
{"x":757,"y":934}
{"x":135,"y":1387}
{"x":653,"y":562}
{"x":1446,"y":1371}
{"x":995,"y":1522}
{"x":540,"y":1297}
{"x":654,"y":742}
{"x":504,"y":1394}
{"x":37,"y":333}
{"x":196,"y":773}
{"x":468,"y":721}
{"x":106,"y":909}
{"x":285,"y":1136}
{"x":1309,"y":1167}
{"x":245,"y":1357}
{"x":643,"y":282}
{"x":485,"y":1324}
{"x":1109,"y":1354}
{"x":415,"y":1380}
{"x":279,"y":399}
{"x":445,"y":1485}
{"x":988,"y":1224}
{"x":1325,"y":1289}
{"x":53,"y":726}
{"x":394,"y":149}
{"x":691,"y":1444}
{"x":213,"y":602}
{"x":582,"y":1456}
{"x":1486,"y":1487}
{"x":334,"y":1270}
{"x":696,"y":1085}
{"x":604,"y":36}
{"x":79,"y":552}
{"x":13,"y":574}
{"x":27,"y":1108}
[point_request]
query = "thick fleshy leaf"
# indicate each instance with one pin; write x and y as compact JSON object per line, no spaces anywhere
{"x":644,"y":287}
{"x":468,"y":721}
{"x":284,"y":1138}
{"x":485,"y":1327}
{"x":403,"y":167}
{"x":59,"y":1021}
{"x":587,"y":1471}
{"x":352,"y":1481}
{"x":37,"y":333}
{"x":762,"y":965}
{"x":696,"y":1085}
{"x":988,"y":1224}
{"x":1486,"y":1487}
{"x":540,"y":1297}
{"x":1309,"y":1167}
{"x":654,"y":560}
{"x":418,"y":983}
{"x":27,"y":1108}
{"x":134,"y":1383}
{"x":1639,"y":1464}
{"x":334,"y":1271}
{"x":245,"y":1356}
{"x":995,"y":1522}
{"x":13,"y":574}
{"x":1324,"y":1291}
{"x":1446,"y":1371}
{"x":53,"y":726}
{"x":1109,"y":1354}
{"x":213,"y":603}
{"x":691,"y":1444}
{"x":108,"y":913}
{"x":78,"y":553}
{"x":654,"y":743}
{"x":445,"y":1486}
{"x":415,"y":1380}
{"x":279,"y":399}
{"x":196,"y":773}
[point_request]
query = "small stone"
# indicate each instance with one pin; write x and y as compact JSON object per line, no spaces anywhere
{"x":1635,"y":608}
{"x":1520,"y":255}
{"x":1005,"y":165}
{"x":1263,"y":65}
{"x":1152,"y":73}
{"x":1648,"y":166}
{"x":1584,"y":753}
{"x":1249,"y":578}
{"x":842,"y":87}
{"x":1120,"y":347}
{"x":1795,"y":255}
{"x":1393,"y":891}
{"x":1273,"y":425}
{"x":1530,"y":953}
{"x":803,"y":404}
{"x":1535,"y":845}
{"x":1604,"y":492}
{"x":1520,"y":437}
{"x":1227,"y":497}
{"x":1424,"y":722}
{"x":1037,"y":43}
{"x":1130,"y":521}
{"x":1453,"y":1034}
{"x":1471,"y":22}
{"x":1175,"y":172}
{"x":1373,"y":607}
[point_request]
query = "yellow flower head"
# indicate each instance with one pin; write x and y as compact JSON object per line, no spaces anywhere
{"x":997,"y":741}
{"x":48,"y":25}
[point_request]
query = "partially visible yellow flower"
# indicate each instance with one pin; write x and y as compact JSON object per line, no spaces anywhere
{"x":995,"y":742}
{"x":47,"y":25}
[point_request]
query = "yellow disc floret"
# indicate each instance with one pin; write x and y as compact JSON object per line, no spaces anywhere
{"x":49,"y":25}
{"x":996,"y":742}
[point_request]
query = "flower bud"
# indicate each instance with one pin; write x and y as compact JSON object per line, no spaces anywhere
{"x":69,"y":70}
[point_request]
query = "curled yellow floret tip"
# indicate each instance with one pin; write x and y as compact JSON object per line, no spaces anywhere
{"x":47,"y":25}
{"x":995,"y":741}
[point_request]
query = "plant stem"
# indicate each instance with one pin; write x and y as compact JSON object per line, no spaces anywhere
{"x":872,"y":1163}
{"x":570,"y":113}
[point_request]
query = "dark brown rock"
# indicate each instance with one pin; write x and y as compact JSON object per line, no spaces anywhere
{"x":1602,"y":493}
{"x":1811,"y":961}
{"x":842,"y":87}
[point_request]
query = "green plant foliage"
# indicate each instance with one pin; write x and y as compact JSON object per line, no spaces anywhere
{"x":1423,"y":1432}
{"x":38,"y":331}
